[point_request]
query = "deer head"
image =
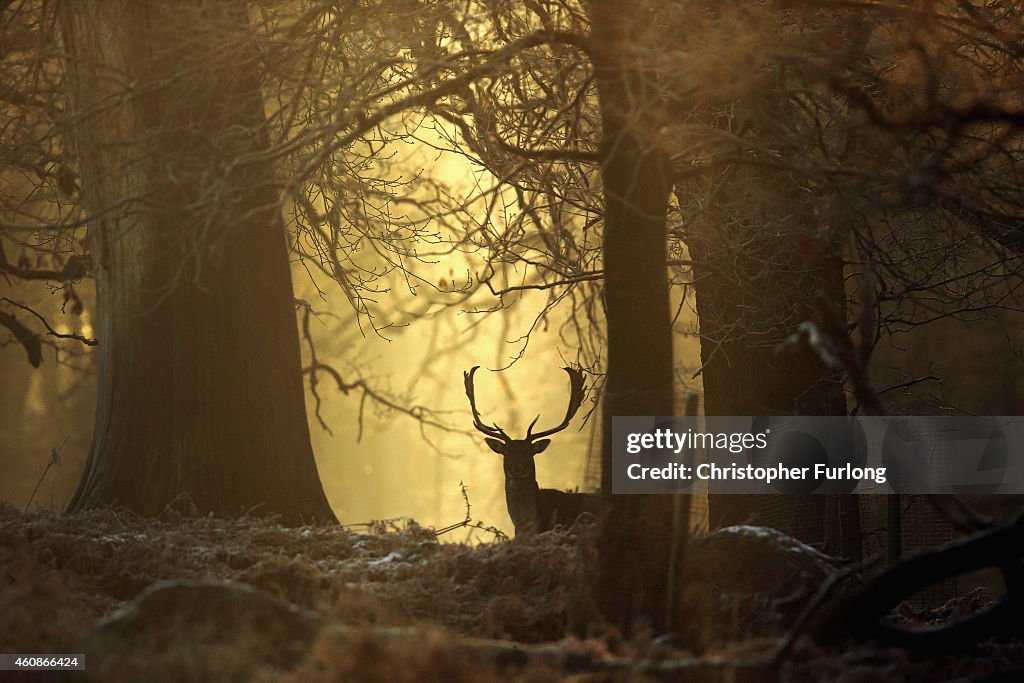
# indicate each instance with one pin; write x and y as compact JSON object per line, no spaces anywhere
{"x":517,"y":454}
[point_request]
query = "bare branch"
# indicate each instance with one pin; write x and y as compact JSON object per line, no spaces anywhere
{"x":49,"y":330}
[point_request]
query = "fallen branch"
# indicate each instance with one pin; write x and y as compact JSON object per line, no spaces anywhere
{"x":866,"y":613}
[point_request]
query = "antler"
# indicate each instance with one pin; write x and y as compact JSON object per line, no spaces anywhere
{"x":495,"y":431}
{"x":576,"y":389}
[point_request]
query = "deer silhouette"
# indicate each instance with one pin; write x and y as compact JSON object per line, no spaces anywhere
{"x":531,"y":508}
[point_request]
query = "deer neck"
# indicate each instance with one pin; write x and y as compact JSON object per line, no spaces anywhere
{"x":521,"y":501}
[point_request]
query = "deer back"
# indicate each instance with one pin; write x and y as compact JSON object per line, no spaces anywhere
{"x":563,"y":507}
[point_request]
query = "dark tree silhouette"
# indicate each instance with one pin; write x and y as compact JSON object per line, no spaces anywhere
{"x":637,"y":181}
{"x":200,"y":391}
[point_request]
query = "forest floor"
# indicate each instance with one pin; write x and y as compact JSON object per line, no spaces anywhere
{"x":218,"y":600}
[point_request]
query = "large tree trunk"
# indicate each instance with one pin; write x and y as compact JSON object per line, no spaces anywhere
{"x":635,"y":540}
{"x":200,"y":388}
{"x":764,"y":254}
{"x":759,"y":270}
{"x":744,"y":375}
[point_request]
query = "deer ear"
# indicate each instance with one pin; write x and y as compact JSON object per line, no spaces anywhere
{"x":496,"y":446}
{"x":539,"y":446}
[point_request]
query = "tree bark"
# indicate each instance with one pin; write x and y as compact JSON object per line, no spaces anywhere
{"x":635,"y":545}
{"x":762,"y":254}
{"x":200,"y":393}
{"x":756,"y":280}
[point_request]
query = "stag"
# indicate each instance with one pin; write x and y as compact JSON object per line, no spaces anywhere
{"x":531,"y":508}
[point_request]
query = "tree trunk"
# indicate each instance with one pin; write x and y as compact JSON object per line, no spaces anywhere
{"x":756,"y":280}
{"x":634,"y":547}
{"x":200,"y":386}
{"x":762,"y":255}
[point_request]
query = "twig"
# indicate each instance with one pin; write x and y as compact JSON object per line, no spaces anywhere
{"x":909,"y":383}
{"x":54,"y":460}
{"x":469,"y":523}
{"x":466,"y":521}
